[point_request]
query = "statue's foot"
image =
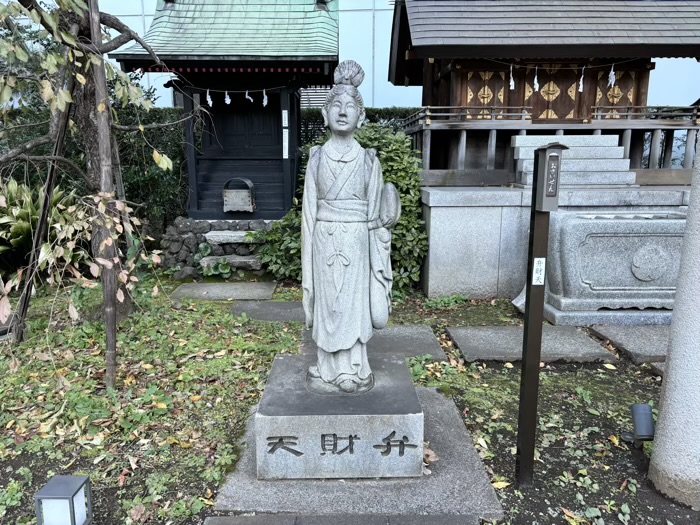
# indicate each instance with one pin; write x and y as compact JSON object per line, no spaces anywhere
{"x":348,"y":386}
{"x":313,"y":372}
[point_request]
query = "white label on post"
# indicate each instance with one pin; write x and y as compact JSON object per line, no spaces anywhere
{"x":538,"y":272}
{"x":285,"y":143}
{"x":285,"y":118}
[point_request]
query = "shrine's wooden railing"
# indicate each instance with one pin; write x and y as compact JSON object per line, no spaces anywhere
{"x":686,"y":113}
{"x":631,"y":123}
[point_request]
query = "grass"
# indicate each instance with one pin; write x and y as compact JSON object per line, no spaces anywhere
{"x":158,"y":448}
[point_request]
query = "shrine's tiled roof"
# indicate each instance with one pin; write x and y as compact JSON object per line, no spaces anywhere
{"x":240,"y":29}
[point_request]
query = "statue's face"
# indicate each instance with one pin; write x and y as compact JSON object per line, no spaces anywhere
{"x":343,"y":115}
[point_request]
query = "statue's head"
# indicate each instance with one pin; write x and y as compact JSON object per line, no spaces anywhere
{"x":344,"y":110}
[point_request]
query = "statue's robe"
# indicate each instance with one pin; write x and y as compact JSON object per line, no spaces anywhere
{"x":346,"y":271}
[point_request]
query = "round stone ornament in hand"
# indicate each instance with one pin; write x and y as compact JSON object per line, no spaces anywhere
{"x":347,"y":214}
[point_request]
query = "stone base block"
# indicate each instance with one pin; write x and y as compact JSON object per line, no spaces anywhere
{"x":585,"y":178}
{"x":300,"y":434}
{"x":627,"y":317}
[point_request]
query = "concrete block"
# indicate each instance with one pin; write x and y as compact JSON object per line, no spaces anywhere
{"x":225,"y":291}
{"x":505,"y":343}
{"x":659,"y":368}
{"x":580,"y":165}
{"x":458,"y":486}
{"x":393,"y":341}
{"x":470,"y":197}
{"x":578,"y":178}
{"x":240,"y":262}
{"x":228,"y":237}
{"x":512,"y":259}
{"x":460,"y":241}
{"x":627,"y":317}
{"x":616,"y":260}
{"x":537,"y":141}
{"x":299,"y":434}
{"x":643,"y":344}
{"x":344,"y":519}
{"x":610,"y":197}
{"x":252,"y":520}
{"x":281,"y":311}
{"x":582,"y":152}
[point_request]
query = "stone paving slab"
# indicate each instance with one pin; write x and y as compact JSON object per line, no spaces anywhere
{"x":643,"y":344}
{"x":457,"y":488}
{"x":225,"y":291}
{"x":276,"y":519}
{"x":505,"y":343}
{"x":283,"y":311}
{"x":409,"y":341}
{"x":659,"y":368}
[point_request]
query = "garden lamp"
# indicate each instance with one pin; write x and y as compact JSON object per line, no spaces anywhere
{"x":65,"y":500}
{"x":643,"y":421}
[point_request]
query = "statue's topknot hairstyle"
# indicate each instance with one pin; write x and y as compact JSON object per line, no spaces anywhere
{"x":347,"y":77}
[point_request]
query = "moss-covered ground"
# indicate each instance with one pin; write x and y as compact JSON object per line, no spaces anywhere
{"x":158,"y":447}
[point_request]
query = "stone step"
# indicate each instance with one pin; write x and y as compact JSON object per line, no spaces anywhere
{"x":576,"y":152}
{"x":229,"y":237}
{"x":580,"y":178}
{"x":240,"y":262}
{"x":569,"y":165}
{"x":567,"y":140}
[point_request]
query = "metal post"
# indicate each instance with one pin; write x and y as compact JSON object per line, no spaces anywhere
{"x":545,"y":197}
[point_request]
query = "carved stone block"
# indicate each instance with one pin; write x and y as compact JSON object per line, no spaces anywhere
{"x":299,"y":434}
{"x":614,"y":261}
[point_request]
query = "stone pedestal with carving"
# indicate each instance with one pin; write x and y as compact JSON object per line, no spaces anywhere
{"x":601,"y":264}
{"x":300,"y":434}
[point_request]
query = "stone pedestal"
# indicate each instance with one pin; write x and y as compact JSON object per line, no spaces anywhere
{"x":299,"y":434}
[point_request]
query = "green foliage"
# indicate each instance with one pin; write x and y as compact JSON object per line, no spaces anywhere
{"x":312,"y":120}
{"x":280,"y":250}
{"x":223,"y":269}
{"x":162,"y":194}
{"x":451,"y":301}
{"x":68,"y":228}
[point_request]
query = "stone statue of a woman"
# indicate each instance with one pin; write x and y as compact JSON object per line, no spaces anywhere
{"x":347,"y":214}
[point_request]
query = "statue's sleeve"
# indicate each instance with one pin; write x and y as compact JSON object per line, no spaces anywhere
{"x":379,"y":251}
{"x":308,"y":222}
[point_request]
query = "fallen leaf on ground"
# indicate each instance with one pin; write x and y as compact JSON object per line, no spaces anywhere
{"x":500,"y":484}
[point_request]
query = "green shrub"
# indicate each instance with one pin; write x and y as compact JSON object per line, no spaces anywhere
{"x":280,"y":250}
{"x":68,"y":230}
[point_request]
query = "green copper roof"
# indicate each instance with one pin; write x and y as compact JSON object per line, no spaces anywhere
{"x":240,"y":29}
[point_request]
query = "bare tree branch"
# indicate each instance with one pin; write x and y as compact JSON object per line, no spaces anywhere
{"x":27,"y":146}
{"x":35,"y":158}
{"x":156,"y":125}
{"x":114,"y":23}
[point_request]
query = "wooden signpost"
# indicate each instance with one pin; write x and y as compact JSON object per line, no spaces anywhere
{"x":545,"y":199}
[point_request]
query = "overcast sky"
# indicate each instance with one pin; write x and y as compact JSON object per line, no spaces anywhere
{"x":674,"y":82}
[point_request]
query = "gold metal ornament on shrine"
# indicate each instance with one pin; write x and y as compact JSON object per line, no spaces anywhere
{"x":241,"y":199}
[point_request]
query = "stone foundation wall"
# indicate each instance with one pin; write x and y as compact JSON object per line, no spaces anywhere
{"x":478,"y":237}
{"x":182,"y":240}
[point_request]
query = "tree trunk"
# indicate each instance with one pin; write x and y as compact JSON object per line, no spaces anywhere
{"x":105,"y":225}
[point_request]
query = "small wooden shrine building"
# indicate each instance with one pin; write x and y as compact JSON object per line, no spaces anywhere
{"x":508,"y":67}
{"x":244,"y":61}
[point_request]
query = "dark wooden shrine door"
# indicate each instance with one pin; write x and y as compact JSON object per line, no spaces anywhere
{"x":557,"y":97}
{"x":616,"y":97}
